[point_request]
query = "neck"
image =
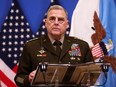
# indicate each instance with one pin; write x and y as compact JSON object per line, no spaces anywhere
{"x":54,"y":37}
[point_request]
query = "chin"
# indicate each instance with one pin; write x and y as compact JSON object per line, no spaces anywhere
{"x":56,"y":33}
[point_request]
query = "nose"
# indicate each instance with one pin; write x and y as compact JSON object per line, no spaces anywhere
{"x":56,"y":21}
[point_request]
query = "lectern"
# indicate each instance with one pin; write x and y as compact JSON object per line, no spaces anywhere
{"x":67,"y":75}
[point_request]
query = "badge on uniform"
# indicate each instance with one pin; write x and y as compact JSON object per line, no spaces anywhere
{"x":75,"y":52}
{"x":42,"y":53}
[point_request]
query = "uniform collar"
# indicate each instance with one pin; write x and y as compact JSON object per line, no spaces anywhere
{"x":52,"y":40}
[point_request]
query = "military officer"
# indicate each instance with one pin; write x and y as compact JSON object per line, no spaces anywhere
{"x":54,"y":47}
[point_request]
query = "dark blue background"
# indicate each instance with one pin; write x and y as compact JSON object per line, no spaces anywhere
{"x":34,"y":10}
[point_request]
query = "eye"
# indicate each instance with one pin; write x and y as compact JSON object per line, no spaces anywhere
{"x":52,"y":19}
{"x":60,"y":20}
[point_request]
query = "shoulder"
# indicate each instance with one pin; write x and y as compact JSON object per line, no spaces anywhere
{"x":75,"y":39}
{"x":36,"y":39}
{"x":32,"y":40}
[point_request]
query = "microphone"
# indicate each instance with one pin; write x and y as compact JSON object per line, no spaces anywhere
{"x":42,"y":65}
{"x":43,"y":69}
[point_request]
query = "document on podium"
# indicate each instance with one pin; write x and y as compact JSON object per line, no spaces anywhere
{"x":67,"y":74}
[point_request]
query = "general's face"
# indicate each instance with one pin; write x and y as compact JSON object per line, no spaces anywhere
{"x":56,"y":22}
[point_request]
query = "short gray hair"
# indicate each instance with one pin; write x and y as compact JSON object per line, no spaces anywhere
{"x":57,"y":7}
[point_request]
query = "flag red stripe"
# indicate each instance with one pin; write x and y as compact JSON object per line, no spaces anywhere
{"x":97,"y":51}
{"x":6,"y":80}
{"x":15,"y":68}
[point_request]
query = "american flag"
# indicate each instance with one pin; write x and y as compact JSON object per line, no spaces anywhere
{"x":99,"y":50}
{"x":14,"y":33}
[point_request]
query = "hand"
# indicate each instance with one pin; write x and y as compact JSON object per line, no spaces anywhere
{"x":31,"y":75}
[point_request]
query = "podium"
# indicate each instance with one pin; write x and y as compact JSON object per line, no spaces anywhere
{"x":67,"y":75}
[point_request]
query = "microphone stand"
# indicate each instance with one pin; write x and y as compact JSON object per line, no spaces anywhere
{"x":105,"y":69}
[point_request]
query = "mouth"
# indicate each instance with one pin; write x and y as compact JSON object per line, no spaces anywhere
{"x":56,"y":29}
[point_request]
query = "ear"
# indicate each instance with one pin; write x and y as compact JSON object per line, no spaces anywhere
{"x":45,"y":20}
{"x":67,"y":24}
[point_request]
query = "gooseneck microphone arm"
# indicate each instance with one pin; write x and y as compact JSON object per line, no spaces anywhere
{"x":42,"y":65}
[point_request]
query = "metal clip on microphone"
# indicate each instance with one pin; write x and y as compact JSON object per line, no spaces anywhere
{"x":105,"y":68}
{"x":43,"y":69}
{"x":43,"y":66}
